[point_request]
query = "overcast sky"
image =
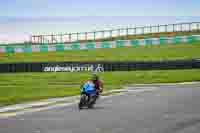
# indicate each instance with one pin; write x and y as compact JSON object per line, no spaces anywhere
{"x":20,"y":18}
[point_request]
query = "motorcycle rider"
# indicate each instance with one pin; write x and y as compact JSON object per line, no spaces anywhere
{"x":95,"y":86}
{"x":97,"y":83}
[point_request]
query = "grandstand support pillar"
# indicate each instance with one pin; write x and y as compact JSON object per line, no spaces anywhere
{"x":198,"y":27}
{"x":158,"y":28}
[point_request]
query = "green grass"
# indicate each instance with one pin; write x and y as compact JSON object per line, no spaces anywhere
{"x":24,"y":87}
{"x":140,"y":53}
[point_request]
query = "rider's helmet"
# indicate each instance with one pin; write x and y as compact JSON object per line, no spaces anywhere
{"x":95,"y":77}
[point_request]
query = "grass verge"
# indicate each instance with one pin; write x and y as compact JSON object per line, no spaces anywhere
{"x":140,"y":53}
{"x":24,"y":87}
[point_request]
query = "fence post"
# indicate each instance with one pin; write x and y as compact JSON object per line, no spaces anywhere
{"x":34,"y":39}
{"x":85,"y":35}
{"x":61,"y":38}
{"x":31,"y":39}
{"x":143,"y":30}
{"x":198,"y":27}
{"x":150,"y":29}
{"x":173,"y":28}
{"x":190,"y":27}
{"x":165,"y":28}
{"x":69,"y":35}
{"x":94,"y":33}
{"x":38,"y":39}
{"x":52,"y":39}
{"x":41,"y":38}
{"x":110,"y":33}
{"x":127,"y":33}
{"x":181,"y":27}
{"x":102,"y":34}
{"x":135,"y":31}
{"x":118,"y":32}
{"x":77,"y":36}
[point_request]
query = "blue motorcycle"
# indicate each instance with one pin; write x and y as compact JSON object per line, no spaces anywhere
{"x":88,"y":95}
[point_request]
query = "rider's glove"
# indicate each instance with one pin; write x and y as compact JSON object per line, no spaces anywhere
{"x":101,"y":90}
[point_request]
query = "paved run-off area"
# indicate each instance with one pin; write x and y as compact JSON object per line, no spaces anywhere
{"x":162,"y":109}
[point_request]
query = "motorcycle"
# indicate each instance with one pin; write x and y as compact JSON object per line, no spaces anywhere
{"x":88,"y":96}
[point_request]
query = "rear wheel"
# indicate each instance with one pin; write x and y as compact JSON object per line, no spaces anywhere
{"x":80,"y":106}
{"x":90,"y":105}
{"x":82,"y":101}
{"x":92,"y":102}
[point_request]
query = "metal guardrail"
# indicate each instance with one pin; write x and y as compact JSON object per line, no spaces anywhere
{"x":105,"y":34}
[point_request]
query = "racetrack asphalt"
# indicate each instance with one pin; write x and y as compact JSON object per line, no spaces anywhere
{"x":163,"y":109}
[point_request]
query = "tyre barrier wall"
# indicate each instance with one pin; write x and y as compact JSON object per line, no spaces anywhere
{"x":95,"y":45}
{"x":98,"y":66}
